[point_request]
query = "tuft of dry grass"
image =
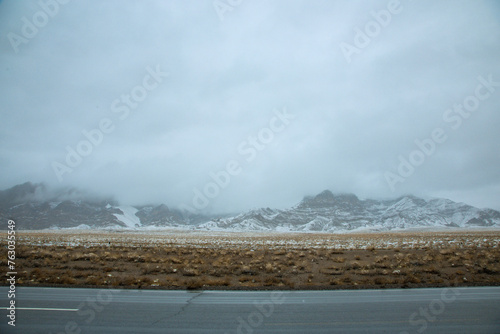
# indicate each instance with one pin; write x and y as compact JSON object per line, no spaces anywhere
{"x":339,"y":259}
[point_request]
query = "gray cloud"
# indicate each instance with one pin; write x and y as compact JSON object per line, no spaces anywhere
{"x":226,"y":78}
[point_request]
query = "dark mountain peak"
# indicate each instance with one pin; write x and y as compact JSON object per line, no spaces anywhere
{"x":328,"y":199}
{"x":158,"y":215}
{"x":22,"y":193}
{"x":25,"y":189}
{"x":328,"y":196}
{"x":346,"y":197}
{"x":412,"y":199}
{"x":162,"y":208}
{"x":325,"y":195}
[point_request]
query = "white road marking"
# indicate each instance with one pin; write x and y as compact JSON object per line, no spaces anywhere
{"x":42,"y":309}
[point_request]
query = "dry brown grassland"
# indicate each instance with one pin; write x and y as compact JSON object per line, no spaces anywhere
{"x":197,"y":260}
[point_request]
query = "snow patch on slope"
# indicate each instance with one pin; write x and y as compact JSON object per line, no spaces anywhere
{"x":128,"y":217}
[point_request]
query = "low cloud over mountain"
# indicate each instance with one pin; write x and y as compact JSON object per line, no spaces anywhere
{"x":34,"y":206}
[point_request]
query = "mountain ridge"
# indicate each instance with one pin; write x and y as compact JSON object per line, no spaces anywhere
{"x":33,"y":206}
{"x":329,"y":212}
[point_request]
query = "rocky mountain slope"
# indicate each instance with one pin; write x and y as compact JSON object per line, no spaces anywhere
{"x":33,"y":206}
{"x":327,"y":212}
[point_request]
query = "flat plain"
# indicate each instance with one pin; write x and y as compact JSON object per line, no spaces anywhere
{"x":173,"y":259}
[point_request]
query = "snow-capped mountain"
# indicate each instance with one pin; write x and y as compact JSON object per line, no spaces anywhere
{"x":327,"y":212}
{"x":32,"y":206}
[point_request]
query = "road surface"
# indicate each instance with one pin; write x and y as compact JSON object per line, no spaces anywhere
{"x":69,"y":310}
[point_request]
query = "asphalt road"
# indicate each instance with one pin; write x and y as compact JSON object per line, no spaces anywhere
{"x":58,"y":310}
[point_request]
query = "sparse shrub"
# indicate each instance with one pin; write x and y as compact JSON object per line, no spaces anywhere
{"x":346,"y":279}
{"x":38,"y":273}
{"x":365,"y":272}
{"x":447,"y":251}
{"x":381,"y":280}
{"x":93,"y":280}
{"x":175,"y":260}
{"x":331,"y":271}
{"x":144,"y":280}
{"x":190,"y":272}
{"x":193,"y":283}
{"x":270,"y":280}
{"x":79,"y":274}
{"x":67,"y":280}
{"x":150,"y":269}
{"x":218,"y":282}
{"x":248,"y":271}
{"x":288,"y":282}
{"x":244,"y":279}
{"x":431,"y":270}
{"x":335,"y":281}
{"x":352,"y":265}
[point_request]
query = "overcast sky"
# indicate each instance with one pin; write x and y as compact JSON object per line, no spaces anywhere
{"x":280,"y":99}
